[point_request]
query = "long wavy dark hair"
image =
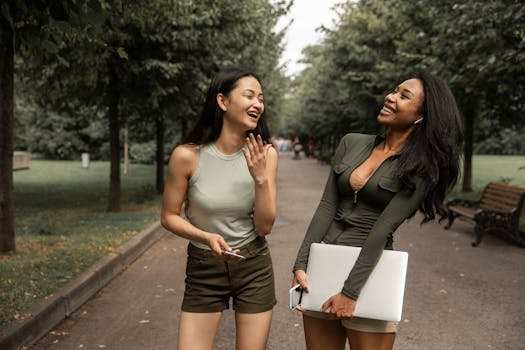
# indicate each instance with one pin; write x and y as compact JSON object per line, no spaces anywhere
{"x":208,"y":127}
{"x":433,"y":150}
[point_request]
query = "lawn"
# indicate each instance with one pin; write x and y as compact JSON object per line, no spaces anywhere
{"x":62,"y":227}
{"x":487,"y":168}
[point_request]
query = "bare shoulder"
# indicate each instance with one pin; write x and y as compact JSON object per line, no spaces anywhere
{"x":272,"y":159}
{"x":185,"y":155}
{"x":272,"y":153}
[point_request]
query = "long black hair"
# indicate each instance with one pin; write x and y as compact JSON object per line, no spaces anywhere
{"x":433,"y":150}
{"x":208,"y":127}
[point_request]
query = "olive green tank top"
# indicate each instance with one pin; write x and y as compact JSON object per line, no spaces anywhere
{"x":221,"y":197}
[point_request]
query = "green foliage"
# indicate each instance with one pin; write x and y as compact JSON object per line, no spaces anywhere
{"x":507,"y":141}
{"x":144,"y":152}
{"x":164,"y":51}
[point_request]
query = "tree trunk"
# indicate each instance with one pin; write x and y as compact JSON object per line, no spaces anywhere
{"x":126,"y":152}
{"x":467,"y":148}
{"x":7,"y":230}
{"x":183,"y":128}
{"x":114,"y":141}
{"x":159,"y":124}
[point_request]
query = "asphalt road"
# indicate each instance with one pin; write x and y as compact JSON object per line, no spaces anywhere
{"x":457,"y":296}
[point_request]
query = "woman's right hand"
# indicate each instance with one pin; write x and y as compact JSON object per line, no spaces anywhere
{"x":217,"y":245}
{"x":299,"y":277}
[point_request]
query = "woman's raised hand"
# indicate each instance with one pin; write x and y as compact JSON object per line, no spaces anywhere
{"x":256,"y":157}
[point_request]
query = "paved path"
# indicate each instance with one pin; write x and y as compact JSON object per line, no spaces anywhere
{"x":457,"y":297}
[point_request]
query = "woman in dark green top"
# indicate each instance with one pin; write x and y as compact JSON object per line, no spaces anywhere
{"x":375,"y":184}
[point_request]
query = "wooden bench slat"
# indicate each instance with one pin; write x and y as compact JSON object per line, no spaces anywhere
{"x":465,"y":211}
{"x":493,"y":205}
{"x":507,"y":196}
{"x":505,"y":187}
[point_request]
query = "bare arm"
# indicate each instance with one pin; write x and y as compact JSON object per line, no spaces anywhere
{"x":262,"y":163}
{"x":182,"y":165}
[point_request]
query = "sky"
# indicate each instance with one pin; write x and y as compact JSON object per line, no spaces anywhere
{"x":307,"y":15}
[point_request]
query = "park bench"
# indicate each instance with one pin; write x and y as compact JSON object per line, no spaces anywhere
{"x":498,"y":211}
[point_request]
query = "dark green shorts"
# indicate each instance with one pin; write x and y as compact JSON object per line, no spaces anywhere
{"x":211,"y":282}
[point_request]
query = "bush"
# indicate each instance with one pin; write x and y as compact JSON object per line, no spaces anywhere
{"x":142,"y":153}
{"x":506,"y":142}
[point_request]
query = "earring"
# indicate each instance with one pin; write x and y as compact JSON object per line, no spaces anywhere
{"x":418,"y":121}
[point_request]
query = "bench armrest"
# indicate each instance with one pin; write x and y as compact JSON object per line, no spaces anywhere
{"x":463,"y":202}
{"x":497,"y":218}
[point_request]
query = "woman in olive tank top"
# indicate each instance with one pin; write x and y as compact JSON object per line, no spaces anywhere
{"x":224,"y":175}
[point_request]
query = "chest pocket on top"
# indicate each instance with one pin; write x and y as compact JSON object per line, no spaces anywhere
{"x":390,"y":183}
{"x":340,"y":168}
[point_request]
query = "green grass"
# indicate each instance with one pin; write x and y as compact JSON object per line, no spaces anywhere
{"x":487,"y":168}
{"x":62,"y":227}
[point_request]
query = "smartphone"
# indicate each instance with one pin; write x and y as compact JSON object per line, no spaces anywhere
{"x":295,"y":296}
{"x":227,"y":252}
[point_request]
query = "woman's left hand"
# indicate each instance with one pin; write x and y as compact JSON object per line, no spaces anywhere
{"x":340,"y":304}
{"x":256,"y":157}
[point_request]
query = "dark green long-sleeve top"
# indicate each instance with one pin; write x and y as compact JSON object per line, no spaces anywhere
{"x":364,"y":219}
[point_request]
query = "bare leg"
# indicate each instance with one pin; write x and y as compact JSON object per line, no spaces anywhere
{"x":252,"y":330}
{"x":370,"y":341}
{"x":197,"y":330}
{"x":323,"y":334}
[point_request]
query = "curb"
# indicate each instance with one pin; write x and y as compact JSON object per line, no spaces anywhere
{"x":47,"y":313}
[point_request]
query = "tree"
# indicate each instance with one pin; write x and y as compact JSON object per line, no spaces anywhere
{"x":33,"y":27}
{"x":7,"y":231}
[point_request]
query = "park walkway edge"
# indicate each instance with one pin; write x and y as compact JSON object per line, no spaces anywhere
{"x":47,"y":313}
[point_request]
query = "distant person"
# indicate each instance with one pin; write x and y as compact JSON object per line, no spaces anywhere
{"x":310,"y":147}
{"x":286,"y":146}
{"x":227,"y":182}
{"x":375,"y":184}
{"x":297,"y":148}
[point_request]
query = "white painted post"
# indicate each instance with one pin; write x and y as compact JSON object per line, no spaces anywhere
{"x":85,"y":160}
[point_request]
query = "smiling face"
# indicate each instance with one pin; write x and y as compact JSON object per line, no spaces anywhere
{"x":402,"y":107}
{"x":244,"y":105}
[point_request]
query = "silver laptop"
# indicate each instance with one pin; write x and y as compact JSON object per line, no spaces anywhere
{"x":382,"y":295}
